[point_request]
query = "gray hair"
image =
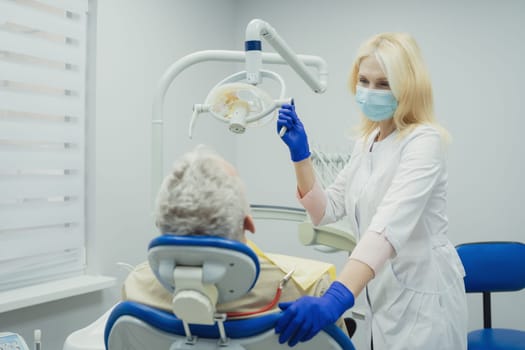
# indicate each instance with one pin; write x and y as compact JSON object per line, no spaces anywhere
{"x":199,"y":197}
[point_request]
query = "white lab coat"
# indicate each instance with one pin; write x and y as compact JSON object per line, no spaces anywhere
{"x":399,"y":187}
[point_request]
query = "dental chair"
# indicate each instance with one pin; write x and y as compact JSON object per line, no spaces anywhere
{"x":200,"y":272}
{"x":493,"y":267}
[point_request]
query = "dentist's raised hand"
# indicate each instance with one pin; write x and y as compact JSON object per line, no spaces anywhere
{"x":295,"y":136}
{"x":304,"y":318}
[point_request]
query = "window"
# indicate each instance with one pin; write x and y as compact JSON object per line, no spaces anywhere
{"x":42,"y":140}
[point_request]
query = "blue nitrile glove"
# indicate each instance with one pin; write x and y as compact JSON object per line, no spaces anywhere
{"x":304,"y":318}
{"x":295,"y":136}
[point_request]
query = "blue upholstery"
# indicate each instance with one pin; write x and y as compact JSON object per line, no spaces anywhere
{"x":235,"y":329}
{"x":493,"y":267}
{"x":496,"y":339}
{"x":202,"y":241}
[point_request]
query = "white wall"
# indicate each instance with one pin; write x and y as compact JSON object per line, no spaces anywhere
{"x":133,"y":50}
{"x":474,"y":51}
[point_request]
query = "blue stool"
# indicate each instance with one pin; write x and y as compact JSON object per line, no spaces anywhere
{"x":493,"y":267}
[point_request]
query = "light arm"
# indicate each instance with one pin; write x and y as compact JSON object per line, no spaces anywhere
{"x":257,"y":29}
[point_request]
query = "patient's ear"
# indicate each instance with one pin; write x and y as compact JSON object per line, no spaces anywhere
{"x":248,"y":224}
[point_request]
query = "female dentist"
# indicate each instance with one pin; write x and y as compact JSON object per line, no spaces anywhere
{"x":394,"y":191}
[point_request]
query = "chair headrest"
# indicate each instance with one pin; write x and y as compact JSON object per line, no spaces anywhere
{"x":230,"y":265}
{"x":493,"y":266}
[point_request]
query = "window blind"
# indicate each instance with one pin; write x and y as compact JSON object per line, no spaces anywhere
{"x":42,"y":140}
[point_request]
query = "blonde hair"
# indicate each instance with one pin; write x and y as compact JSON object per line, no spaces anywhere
{"x":402,"y":62}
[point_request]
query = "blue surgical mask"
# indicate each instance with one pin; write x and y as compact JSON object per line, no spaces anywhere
{"x":377,"y":105}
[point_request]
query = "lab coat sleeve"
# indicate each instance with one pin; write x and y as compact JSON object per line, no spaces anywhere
{"x":420,"y":166}
{"x":336,"y":192}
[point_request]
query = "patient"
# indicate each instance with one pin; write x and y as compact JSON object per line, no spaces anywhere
{"x":204,"y":196}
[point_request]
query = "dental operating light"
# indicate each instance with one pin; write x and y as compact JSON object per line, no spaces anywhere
{"x":241,"y":104}
{"x":239,"y":99}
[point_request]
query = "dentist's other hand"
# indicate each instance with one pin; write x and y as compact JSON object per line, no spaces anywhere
{"x":304,"y":318}
{"x":295,"y":137}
